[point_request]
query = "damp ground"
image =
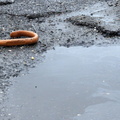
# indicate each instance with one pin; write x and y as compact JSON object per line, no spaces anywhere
{"x":73,"y":83}
{"x":77,"y":25}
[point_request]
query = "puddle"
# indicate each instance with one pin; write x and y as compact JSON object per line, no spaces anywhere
{"x":73,"y":83}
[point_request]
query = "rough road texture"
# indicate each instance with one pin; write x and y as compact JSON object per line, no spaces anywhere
{"x":96,"y":23}
{"x":64,"y":22}
{"x":5,"y":2}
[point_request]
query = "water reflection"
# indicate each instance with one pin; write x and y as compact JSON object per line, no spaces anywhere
{"x":73,"y":83}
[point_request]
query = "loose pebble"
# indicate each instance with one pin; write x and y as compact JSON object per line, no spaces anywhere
{"x":32,"y":58}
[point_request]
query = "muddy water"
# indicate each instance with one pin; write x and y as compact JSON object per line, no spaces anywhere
{"x":73,"y":83}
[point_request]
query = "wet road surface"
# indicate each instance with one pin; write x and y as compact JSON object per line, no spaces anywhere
{"x":53,"y":21}
{"x":73,"y":83}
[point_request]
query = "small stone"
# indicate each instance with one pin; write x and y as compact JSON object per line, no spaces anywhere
{"x":107,"y":93}
{"x":3,"y":29}
{"x":78,"y":114}
{"x":9,"y":50}
{"x":22,"y":47}
{"x":1,"y":92}
{"x":95,"y":29}
{"x":32,"y":58}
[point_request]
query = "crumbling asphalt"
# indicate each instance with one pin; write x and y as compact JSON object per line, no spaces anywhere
{"x":5,"y":2}
{"x":64,"y":23}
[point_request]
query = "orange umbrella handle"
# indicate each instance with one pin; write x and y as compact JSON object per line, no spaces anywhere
{"x":21,"y":41}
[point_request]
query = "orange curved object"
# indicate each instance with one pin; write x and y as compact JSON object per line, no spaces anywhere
{"x":20,"y":41}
